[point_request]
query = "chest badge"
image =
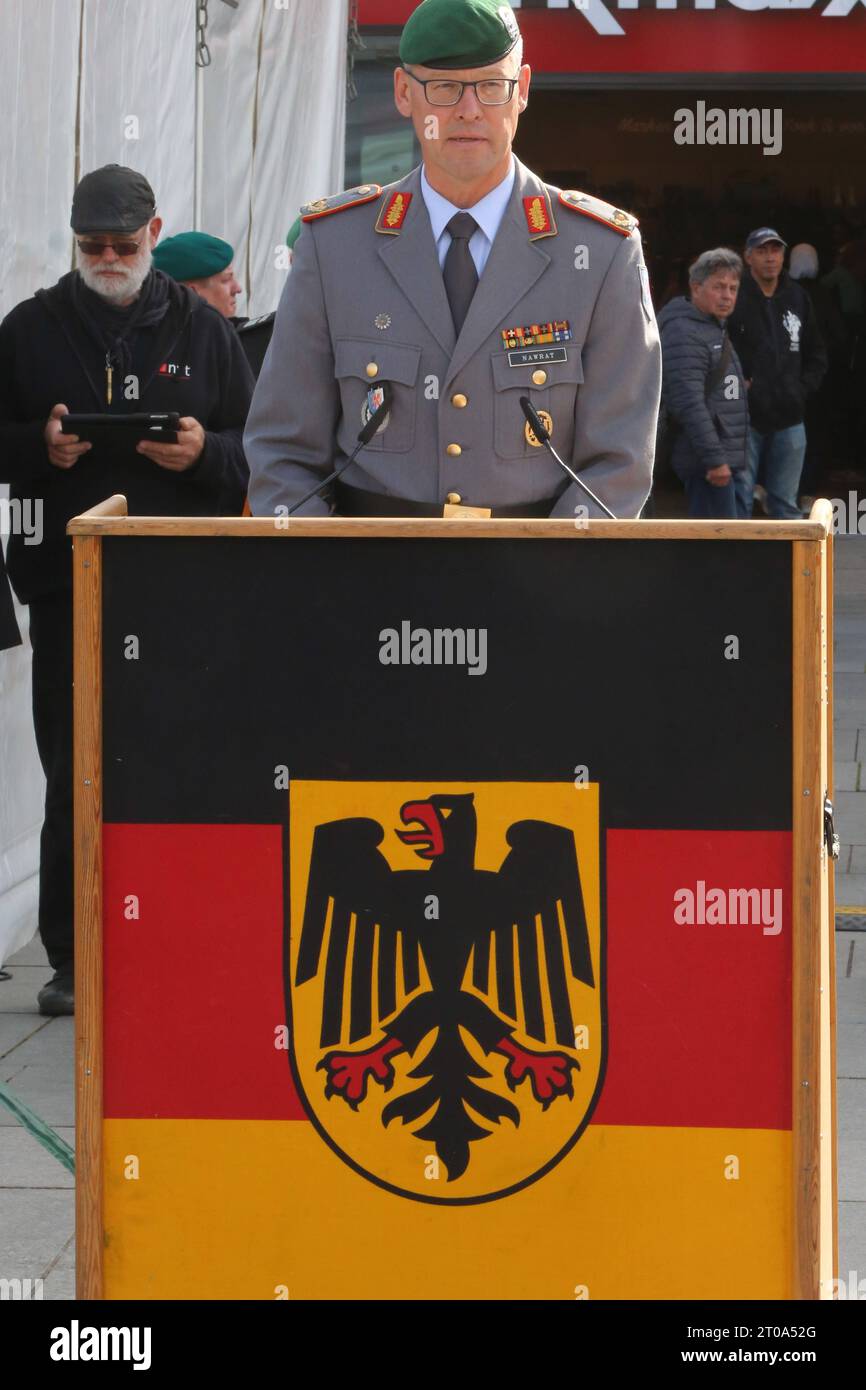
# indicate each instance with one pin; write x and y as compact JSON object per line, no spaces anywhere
{"x":382,"y":321}
{"x":547,"y":420}
{"x":373,"y":399}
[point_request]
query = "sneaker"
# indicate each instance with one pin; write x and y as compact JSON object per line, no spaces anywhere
{"x":58,"y":996}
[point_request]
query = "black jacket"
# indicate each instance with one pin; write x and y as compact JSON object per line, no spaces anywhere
{"x":9,"y":634}
{"x":712,"y":426}
{"x":781,"y":349}
{"x":191,"y":362}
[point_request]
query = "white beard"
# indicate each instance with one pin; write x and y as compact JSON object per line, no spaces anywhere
{"x":125,"y":283}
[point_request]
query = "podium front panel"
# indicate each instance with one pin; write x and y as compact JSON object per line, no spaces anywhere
{"x":452,"y":916}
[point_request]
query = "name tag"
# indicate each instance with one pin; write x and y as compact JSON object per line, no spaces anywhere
{"x":530,"y":357}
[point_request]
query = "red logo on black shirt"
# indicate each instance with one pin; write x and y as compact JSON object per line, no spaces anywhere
{"x":175,"y":369}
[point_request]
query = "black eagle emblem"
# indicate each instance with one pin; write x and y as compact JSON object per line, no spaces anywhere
{"x":483,"y":917}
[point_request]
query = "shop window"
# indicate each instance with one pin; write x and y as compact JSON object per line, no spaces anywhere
{"x":380,"y":144}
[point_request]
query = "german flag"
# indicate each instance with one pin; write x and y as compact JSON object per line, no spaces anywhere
{"x":419,"y":985}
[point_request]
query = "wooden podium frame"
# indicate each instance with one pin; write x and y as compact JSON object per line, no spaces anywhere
{"x":813,"y":1005}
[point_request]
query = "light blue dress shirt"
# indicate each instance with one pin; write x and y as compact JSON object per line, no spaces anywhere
{"x":488,"y":213}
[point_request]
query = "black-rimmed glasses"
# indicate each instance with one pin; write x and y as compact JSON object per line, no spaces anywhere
{"x":443,"y":91}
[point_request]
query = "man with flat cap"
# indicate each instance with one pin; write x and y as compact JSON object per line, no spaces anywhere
{"x":113,"y":337}
{"x":463,"y":287}
{"x":204,"y":263}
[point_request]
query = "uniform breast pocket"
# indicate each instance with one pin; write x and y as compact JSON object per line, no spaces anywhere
{"x":362,"y":363}
{"x":551,"y":385}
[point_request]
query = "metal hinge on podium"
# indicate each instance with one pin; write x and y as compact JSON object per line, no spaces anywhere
{"x":831,"y":839}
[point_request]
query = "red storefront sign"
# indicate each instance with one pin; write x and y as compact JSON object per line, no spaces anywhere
{"x":704,"y":36}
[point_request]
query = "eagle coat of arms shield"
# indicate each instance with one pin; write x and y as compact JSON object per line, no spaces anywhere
{"x":445,"y":978}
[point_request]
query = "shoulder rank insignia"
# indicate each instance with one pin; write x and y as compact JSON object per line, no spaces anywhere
{"x":539,"y":216}
{"x":392,"y":213}
{"x":351,"y":198}
{"x":597,"y":208}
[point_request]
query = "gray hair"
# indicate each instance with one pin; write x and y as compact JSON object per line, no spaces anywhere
{"x":709,"y":262}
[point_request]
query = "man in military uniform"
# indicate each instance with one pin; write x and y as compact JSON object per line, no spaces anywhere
{"x":465,"y":285}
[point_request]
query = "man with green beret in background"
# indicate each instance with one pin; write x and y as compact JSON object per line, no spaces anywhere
{"x":448,"y":296}
{"x":204,"y":263}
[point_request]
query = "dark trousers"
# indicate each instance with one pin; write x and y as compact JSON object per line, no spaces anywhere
{"x":51,"y":638}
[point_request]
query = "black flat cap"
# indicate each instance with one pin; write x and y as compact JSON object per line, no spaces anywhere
{"x":112,"y":199}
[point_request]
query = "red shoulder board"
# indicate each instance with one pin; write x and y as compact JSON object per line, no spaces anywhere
{"x":352,"y":198}
{"x":392,"y":213}
{"x":599,"y":211}
{"x":539,"y":216}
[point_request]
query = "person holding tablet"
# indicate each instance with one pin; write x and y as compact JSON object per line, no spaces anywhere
{"x":115,"y":338}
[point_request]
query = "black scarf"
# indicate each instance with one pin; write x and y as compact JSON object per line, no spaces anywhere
{"x":112,"y":327}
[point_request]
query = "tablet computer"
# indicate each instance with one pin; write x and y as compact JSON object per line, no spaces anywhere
{"x":128,"y":429}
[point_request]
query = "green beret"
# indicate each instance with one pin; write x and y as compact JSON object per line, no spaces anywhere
{"x":459,"y":34}
{"x":192,"y":256}
{"x":293,"y":233}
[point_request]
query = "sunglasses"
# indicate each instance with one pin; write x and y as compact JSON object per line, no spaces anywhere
{"x":96,"y":248}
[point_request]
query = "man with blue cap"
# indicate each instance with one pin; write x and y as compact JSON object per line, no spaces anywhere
{"x":468,"y":284}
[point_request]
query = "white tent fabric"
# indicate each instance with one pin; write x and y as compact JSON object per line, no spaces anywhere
{"x":274,"y":115}
{"x":38,"y":97}
{"x":244,"y":141}
{"x":296,"y":124}
{"x":138,"y":96}
{"x":22,"y":789}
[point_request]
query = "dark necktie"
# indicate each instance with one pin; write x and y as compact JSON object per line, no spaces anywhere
{"x":459,"y":273}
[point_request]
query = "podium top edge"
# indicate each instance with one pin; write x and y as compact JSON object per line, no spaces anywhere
{"x":102,"y":524}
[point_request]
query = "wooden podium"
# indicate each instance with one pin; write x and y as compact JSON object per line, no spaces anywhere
{"x":454,"y":909}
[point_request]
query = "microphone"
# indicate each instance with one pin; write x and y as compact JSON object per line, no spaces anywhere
{"x":364,"y":437}
{"x":542,"y":434}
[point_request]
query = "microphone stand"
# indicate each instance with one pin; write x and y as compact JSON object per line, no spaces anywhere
{"x":542,"y":434}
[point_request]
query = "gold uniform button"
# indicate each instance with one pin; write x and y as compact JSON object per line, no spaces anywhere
{"x":454,"y":499}
{"x":539,"y":377}
{"x":460,"y":401}
{"x":454,"y":450}
{"x":372,"y":369}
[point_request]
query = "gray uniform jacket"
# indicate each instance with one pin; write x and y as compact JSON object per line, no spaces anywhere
{"x":365,"y":302}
